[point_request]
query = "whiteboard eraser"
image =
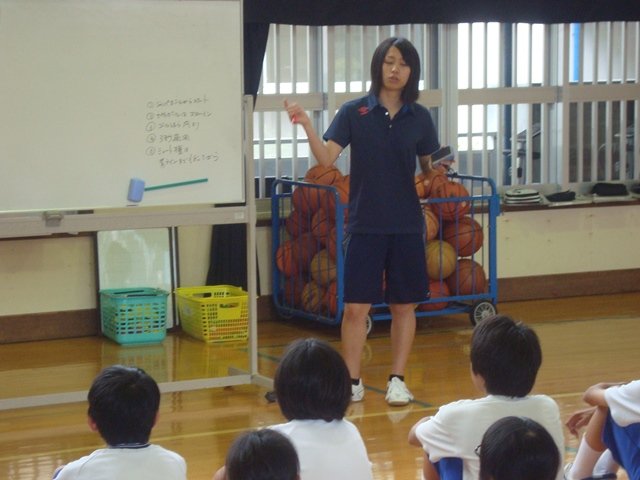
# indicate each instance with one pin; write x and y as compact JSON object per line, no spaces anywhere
{"x":136,"y":190}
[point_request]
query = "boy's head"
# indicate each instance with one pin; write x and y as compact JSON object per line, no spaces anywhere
{"x":410,"y":56}
{"x":312,"y":382}
{"x":518,"y":447}
{"x":506,"y":354}
{"x":123,"y":404}
{"x":262,"y":455}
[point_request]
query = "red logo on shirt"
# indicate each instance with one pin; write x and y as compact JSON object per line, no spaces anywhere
{"x":363,"y":110}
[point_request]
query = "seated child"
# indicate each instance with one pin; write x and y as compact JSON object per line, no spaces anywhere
{"x":612,"y":438}
{"x":261,"y":455}
{"x":518,"y":448}
{"x":505,"y":358}
{"x":313,"y":388}
{"x":123,"y":408}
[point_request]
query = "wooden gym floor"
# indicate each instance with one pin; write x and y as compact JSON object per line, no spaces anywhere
{"x":585,"y":340}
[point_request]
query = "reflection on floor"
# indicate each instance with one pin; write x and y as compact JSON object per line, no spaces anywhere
{"x":585,"y":340}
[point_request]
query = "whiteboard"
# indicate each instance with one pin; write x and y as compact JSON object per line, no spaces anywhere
{"x":95,"y":93}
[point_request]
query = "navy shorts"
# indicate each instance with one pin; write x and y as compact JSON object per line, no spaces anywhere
{"x":385,"y":268}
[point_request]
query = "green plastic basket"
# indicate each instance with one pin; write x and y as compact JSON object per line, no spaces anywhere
{"x":134,"y":315}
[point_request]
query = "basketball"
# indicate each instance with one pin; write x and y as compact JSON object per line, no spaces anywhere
{"x":296,"y":224}
{"x":431,"y":222}
{"x":323,"y":268}
{"x":321,"y":226}
{"x":292,"y":292}
{"x":305,"y":248}
{"x":435,"y":177}
{"x":467,"y":279}
{"x":331,"y":298}
{"x":312,"y":296}
{"x":342,"y":190}
{"x":322,"y":175}
{"x":438,"y":290}
{"x":285,"y":259}
{"x":306,"y":199}
{"x":465,"y":235}
{"x":455,"y":208}
{"x":420,"y":187}
{"x":441,"y":259}
{"x":332,"y":243}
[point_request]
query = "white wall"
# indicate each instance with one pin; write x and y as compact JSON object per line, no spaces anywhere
{"x":544,"y":242}
{"x":57,"y":274}
{"x":47,"y":275}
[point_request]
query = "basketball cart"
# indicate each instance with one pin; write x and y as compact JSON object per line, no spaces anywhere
{"x":308,"y":223}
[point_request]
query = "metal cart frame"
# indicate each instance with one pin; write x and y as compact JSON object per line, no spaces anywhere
{"x":484,"y":204}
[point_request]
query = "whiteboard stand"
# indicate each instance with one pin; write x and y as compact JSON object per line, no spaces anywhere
{"x":108,"y":110}
{"x":36,"y":226}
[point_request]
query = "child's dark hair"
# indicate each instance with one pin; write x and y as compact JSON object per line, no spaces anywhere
{"x":506,"y":354}
{"x":518,"y":447}
{"x":312,"y":382}
{"x":124,"y":402}
{"x":410,"y":55}
{"x":262,"y":455}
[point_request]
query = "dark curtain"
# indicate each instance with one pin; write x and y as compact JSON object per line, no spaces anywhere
{"x":228,"y":258}
{"x":392,"y":12}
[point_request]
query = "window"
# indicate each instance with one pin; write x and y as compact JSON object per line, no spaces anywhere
{"x":521,"y":103}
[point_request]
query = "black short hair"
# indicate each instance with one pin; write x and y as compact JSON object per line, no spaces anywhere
{"x":411,"y":91}
{"x":518,"y":447}
{"x":262,"y":455}
{"x":506,"y":354}
{"x":124,"y":402}
{"x":312,"y":382}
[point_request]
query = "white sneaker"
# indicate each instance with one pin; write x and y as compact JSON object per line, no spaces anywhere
{"x":397,"y":393}
{"x":357,"y":392}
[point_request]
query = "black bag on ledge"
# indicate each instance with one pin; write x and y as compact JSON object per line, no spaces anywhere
{"x":567,"y":196}
{"x":604,"y":189}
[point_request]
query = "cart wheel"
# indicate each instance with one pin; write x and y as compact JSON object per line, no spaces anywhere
{"x":481,"y":310}
{"x":369,"y":324}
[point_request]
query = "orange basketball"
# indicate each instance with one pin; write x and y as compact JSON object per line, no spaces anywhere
{"x":312,"y":296}
{"x":306,"y":199}
{"x":438,"y":290}
{"x":420,"y":187}
{"x":286,"y":258}
{"x":321,"y":225}
{"x":323,"y":268}
{"x":296,"y":223}
{"x":465,"y":235}
{"x":467,"y":279}
{"x":322,"y":175}
{"x":331,"y":298}
{"x":441,"y":259}
{"x":456,"y":207}
{"x":332,"y":243}
{"x":292,"y":292}
{"x":435,"y":177}
{"x":342,"y":190}
{"x":431,"y":222}
{"x":305,"y":248}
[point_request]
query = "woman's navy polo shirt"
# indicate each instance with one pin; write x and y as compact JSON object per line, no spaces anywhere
{"x":382,"y":195}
